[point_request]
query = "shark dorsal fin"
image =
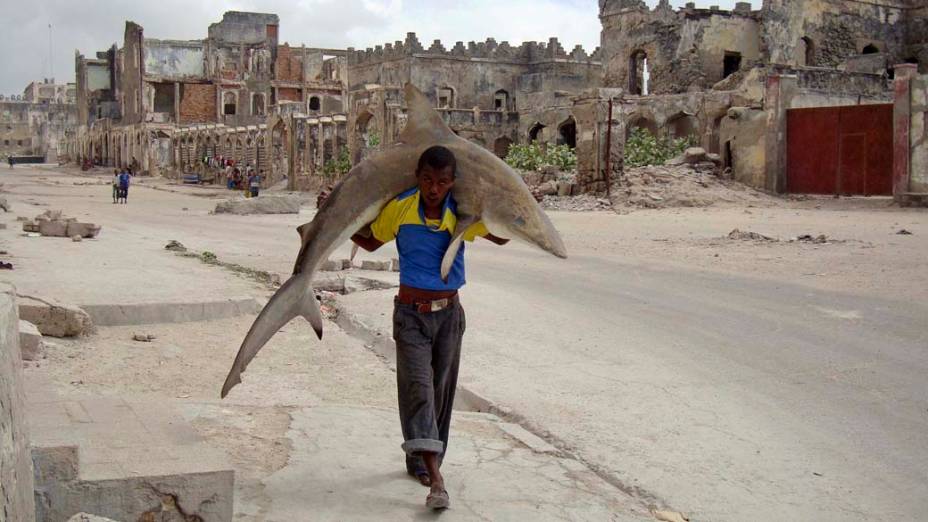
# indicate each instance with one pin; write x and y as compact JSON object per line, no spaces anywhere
{"x":423,"y":123}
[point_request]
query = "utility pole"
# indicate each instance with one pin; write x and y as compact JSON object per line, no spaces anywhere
{"x":51,"y":65}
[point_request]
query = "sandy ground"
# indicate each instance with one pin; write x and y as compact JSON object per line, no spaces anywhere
{"x":662,"y":353}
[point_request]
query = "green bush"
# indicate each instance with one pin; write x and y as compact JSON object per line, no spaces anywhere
{"x":532,"y":156}
{"x":644,"y":148}
{"x":338,"y":166}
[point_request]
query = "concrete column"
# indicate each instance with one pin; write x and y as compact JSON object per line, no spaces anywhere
{"x":780,"y":90}
{"x":902,"y":123}
{"x":176,"y":102}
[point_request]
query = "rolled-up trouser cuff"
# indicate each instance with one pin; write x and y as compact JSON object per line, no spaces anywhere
{"x":413,"y":446}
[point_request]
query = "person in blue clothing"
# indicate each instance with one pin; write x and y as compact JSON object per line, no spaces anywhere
{"x":428,"y":321}
{"x":124,"y":178}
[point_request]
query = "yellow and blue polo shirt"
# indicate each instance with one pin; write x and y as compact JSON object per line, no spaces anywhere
{"x":422,"y":242}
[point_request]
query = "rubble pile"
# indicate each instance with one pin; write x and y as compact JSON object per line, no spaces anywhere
{"x":260,"y":205}
{"x":681,"y":185}
{"x":581,"y":203}
{"x":53,"y":223}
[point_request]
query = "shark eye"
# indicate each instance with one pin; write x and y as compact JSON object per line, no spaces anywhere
{"x":519,"y":222}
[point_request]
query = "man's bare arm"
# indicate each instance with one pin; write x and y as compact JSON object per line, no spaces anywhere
{"x":369,"y":243}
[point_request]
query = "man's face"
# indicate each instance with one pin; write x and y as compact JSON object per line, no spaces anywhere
{"x":434,"y":184}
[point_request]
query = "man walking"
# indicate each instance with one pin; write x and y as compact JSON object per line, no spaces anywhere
{"x":428,"y":321}
{"x":124,"y":185}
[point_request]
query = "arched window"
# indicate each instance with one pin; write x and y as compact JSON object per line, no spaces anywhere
{"x":501,"y":100}
{"x":870,"y":49}
{"x":638,"y":74}
{"x":534,"y":134}
{"x":567,"y":133}
{"x":806,"y":51}
{"x":314,"y":103}
{"x":229,"y":103}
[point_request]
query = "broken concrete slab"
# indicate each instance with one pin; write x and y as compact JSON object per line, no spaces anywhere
{"x":260,"y":205}
{"x":372,"y":264}
{"x":30,"y":341}
{"x":123,"y":459}
{"x":157,"y":313}
{"x":53,"y":228}
{"x":87,"y":230}
{"x":55,"y":319}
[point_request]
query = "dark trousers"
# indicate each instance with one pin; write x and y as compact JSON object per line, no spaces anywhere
{"x":428,"y":354}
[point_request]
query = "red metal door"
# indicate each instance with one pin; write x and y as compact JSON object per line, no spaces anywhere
{"x":840,"y":150}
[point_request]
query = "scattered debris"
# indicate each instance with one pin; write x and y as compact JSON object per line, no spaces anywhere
{"x":4,"y":205}
{"x":260,"y":205}
{"x":53,"y":224}
{"x":903,"y":232}
{"x":6,"y":266}
{"x":77,"y":238}
{"x":821,"y":239}
{"x":337,"y":265}
{"x":143,"y":338}
{"x":669,"y":516}
{"x":749,"y":236}
{"x":581,"y":203}
{"x":664,"y":186}
{"x":175,"y":246}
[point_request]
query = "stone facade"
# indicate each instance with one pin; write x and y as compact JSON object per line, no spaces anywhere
{"x":31,"y":124}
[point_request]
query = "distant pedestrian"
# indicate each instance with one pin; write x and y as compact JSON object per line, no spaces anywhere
{"x":254,"y":184}
{"x":116,"y":186}
{"x":9,"y":160}
{"x":124,"y":185}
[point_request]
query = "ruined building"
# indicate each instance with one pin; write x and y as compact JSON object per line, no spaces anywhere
{"x":748,"y":84}
{"x":32,"y":124}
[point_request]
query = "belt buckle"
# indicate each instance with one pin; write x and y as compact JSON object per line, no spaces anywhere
{"x":439,"y":304}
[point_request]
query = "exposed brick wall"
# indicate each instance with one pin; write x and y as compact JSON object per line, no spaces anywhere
{"x":289,"y":66}
{"x":289,"y":94}
{"x":198,"y":103}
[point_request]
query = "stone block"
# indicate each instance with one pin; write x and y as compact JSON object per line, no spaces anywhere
{"x":564,"y":188}
{"x":55,"y":463}
{"x":395,"y":265}
{"x":54,"y":319}
{"x":30,"y":226}
{"x":53,"y":228}
{"x":83,"y":229}
{"x":548,"y":188}
{"x":30,"y":341}
{"x":330,"y":266}
{"x":370,"y":264}
{"x":694,"y":155}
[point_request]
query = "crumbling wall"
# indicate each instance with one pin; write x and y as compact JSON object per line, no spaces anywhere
{"x":16,"y":480}
{"x":198,"y":103}
{"x":289,"y":65}
{"x":685,"y":49}
{"x":244,"y":28}
{"x":133,"y":105}
{"x":743,"y":145}
{"x":174,"y":60}
{"x":918,"y":135}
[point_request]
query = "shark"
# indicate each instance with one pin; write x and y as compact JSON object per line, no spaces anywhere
{"x":486,"y":189}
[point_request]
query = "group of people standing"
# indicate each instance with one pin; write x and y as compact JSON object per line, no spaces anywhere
{"x":121,"y":184}
{"x":250,"y":181}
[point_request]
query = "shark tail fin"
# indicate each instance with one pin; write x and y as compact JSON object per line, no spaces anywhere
{"x":294,"y":298}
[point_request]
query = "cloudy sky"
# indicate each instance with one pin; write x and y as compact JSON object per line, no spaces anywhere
{"x":93,"y":25}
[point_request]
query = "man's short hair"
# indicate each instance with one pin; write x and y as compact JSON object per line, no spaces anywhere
{"x":438,"y":158}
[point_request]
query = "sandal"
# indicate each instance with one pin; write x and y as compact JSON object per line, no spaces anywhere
{"x":439,"y":500}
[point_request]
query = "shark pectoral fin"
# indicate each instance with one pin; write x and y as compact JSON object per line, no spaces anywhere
{"x":457,"y":239}
{"x":295,"y":297}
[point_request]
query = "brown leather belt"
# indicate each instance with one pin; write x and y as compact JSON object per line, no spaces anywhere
{"x":429,"y":306}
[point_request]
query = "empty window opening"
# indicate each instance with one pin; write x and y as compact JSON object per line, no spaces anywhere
{"x":870,"y":49}
{"x":716,"y":132}
{"x":501,"y":100}
{"x":731,"y":63}
{"x":228,"y":104}
{"x":644,"y":124}
{"x":446,"y":98}
{"x":638,"y":74}
{"x":726,"y":156}
{"x":314,"y":103}
{"x":164,"y":97}
{"x":567,"y":133}
{"x":257,"y":105}
{"x":534,"y":134}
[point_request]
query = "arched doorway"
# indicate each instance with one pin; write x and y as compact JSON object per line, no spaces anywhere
{"x":870,"y":49}
{"x":535,"y":133}
{"x":567,"y":133}
{"x":501,"y":146}
{"x":642,"y":123}
{"x":682,"y":125}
